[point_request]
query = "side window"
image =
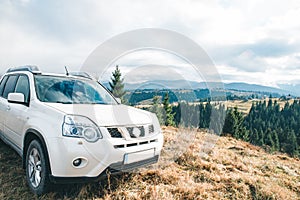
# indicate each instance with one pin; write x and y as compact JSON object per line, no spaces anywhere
{"x":10,"y":85}
{"x":2,"y":84}
{"x":22,"y":86}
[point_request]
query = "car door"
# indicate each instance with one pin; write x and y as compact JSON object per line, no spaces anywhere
{"x":8,"y":88}
{"x":2,"y":104}
{"x":17,"y":114}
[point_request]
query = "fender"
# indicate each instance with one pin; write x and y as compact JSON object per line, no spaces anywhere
{"x":30,"y":135}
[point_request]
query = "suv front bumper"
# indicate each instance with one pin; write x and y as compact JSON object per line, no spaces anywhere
{"x":107,"y":153}
{"x":114,"y":168}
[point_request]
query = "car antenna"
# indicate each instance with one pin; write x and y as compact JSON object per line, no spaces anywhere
{"x":67,"y":72}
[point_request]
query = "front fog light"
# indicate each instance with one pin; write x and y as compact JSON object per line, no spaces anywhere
{"x":77,"y":162}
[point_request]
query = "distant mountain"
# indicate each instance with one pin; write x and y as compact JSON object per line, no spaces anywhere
{"x":254,"y":88}
{"x":165,"y":84}
{"x":183,"y":84}
{"x":294,"y":89}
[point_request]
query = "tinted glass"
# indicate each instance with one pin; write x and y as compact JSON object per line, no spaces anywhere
{"x":2,"y":84}
{"x":23,"y":86}
{"x":70,"y":90}
{"x":10,"y":85}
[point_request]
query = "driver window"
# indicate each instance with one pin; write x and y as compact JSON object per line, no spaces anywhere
{"x":22,"y":86}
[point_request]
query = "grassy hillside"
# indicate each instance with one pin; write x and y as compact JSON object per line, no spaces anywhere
{"x":194,"y":165}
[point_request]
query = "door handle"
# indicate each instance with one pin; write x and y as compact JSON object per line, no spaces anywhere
{"x":8,"y":108}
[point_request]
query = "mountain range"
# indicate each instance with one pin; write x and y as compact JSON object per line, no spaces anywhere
{"x":183,"y":84}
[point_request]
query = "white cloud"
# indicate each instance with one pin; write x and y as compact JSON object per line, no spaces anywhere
{"x":143,"y":65}
{"x":248,"y":61}
{"x":53,"y":34}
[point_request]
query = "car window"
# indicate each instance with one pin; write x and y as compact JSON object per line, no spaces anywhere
{"x":2,"y":84}
{"x":10,"y":85}
{"x":22,"y":86}
{"x":70,"y":90}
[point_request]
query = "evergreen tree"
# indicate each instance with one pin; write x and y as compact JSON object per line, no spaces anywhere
{"x":177,"y":116}
{"x":268,"y":138}
{"x":261,"y":141}
{"x":234,"y":125}
{"x":201,"y":115}
{"x":254,"y":137}
{"x":292,"y":147}
{"x":117,"y":85}
{"x":276,"y":144}
{"x":169,"y":116}
{"x":271,"y":141}
{"x":157,"y":109}
{"x":229,"y":123}
{"x":207,"y":114}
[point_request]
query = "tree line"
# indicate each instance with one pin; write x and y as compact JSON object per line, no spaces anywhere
{"x":266,"y":124}
{"x":277,"y":128}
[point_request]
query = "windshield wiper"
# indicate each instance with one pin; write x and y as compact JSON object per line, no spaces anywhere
{"x":64,"y":102}
{"x":93,"y":103}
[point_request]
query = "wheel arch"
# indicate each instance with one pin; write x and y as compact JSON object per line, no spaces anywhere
{"x":32,"y":134}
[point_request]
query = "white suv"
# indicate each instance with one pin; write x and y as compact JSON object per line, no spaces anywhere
{"x":71,"y":129}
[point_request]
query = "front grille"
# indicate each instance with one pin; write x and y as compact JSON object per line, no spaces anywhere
{"x":114,"y":132}
{"x":136,"y":132}
{"x":151,"y":128}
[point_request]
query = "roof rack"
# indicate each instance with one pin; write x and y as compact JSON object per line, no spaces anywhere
{"x":30,"y":68}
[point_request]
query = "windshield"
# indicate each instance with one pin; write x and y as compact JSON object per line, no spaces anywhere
{"x":69,"y":90}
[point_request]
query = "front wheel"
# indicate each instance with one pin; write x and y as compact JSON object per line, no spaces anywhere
{"x":37,"y":172}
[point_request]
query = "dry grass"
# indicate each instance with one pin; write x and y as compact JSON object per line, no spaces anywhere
{"x":194,"y":165}
{"x":245,"y":106}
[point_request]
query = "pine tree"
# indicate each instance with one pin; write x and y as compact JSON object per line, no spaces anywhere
{"x":261,"y":136}
{"x":234,"y":125}
{"x":292,"y":147}
{"x":240,"y":131}
{"x":169,"y":116}
{"x":229,"y":123}
{"x":201,"y":116}
{"x":157,"y":109}
{"x":207,"y":114}
{"x":117,"y":85}
{"x":276,"y":141}
{"x":268,"y":138}
{"x":177,"y":116}
{"x":254,"y":137}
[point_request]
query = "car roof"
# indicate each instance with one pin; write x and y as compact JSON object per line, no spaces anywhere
{"x":32,"y":69}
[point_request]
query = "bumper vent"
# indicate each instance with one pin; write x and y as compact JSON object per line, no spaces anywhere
{"x":114,"y":132}
{"x":134,"y":144}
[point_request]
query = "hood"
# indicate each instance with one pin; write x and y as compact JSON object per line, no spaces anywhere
{"x":106,"y":115}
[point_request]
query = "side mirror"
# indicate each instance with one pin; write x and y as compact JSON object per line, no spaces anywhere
{"x":16,"y":98}
{"x":119,"y":100}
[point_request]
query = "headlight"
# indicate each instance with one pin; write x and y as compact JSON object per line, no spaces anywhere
{"x":81,"y":127}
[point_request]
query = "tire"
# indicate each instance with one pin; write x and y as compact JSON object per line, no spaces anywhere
{"x":37,"y":170}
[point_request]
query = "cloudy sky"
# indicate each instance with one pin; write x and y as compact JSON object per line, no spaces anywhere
{"x":248,"y":41}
